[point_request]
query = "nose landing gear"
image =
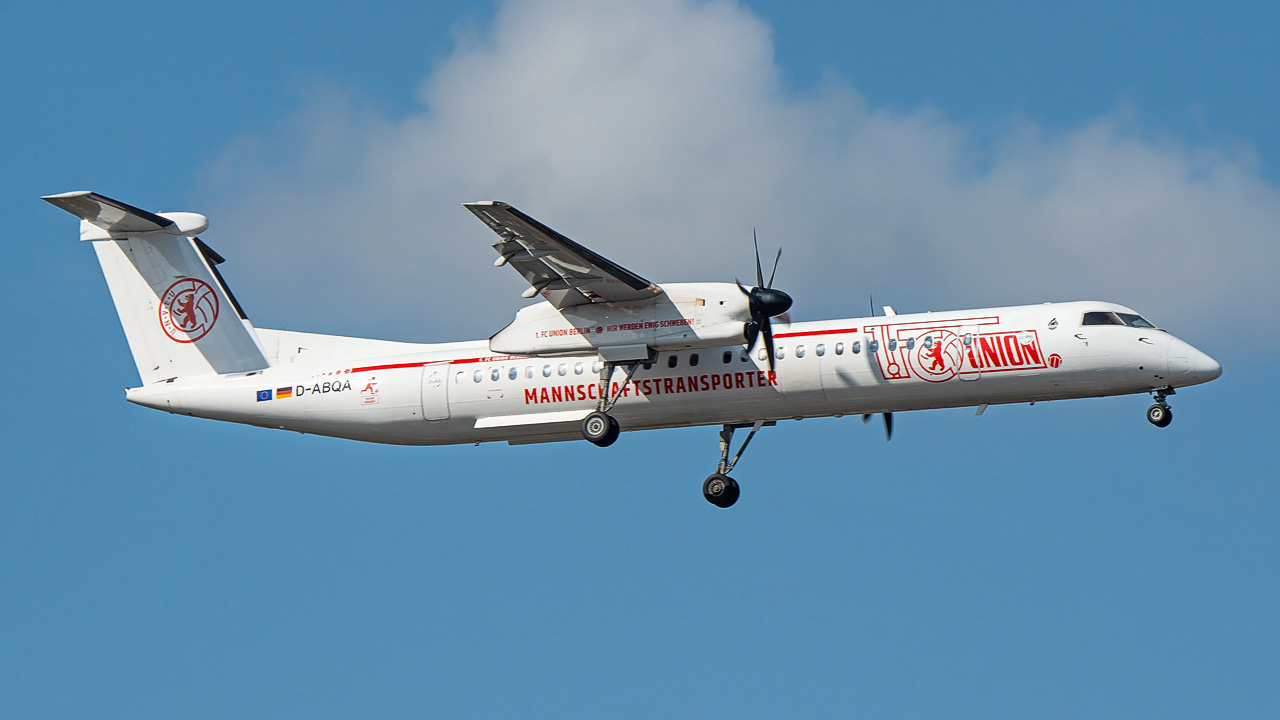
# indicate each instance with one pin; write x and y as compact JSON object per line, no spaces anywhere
{"x":1160,"y":414}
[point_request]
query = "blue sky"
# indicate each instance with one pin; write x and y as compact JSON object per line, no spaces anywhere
{"x":1060,"y":560}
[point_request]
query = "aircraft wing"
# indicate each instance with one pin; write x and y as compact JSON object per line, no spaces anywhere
{"x":559,"y":269}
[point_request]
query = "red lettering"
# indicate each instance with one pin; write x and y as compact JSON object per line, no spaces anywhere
{"x":668,"y":386}
{"x":555,"y":394}
{"x":680,"y":385}
{"x":591,"y":390}
{"x":727,"y":381}
{"x":530,"y":395}
{"x":542,"y":396}
{"x":1011,"y":346}
{"x":990,"y":351}
{"x":1032,"y":353}
{"x":773,"y":378}
{"x":644,"y":387}
{"x":715,"y":382}
{"x":737,"y":380}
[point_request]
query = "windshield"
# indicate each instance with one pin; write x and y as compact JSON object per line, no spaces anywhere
{"x":1113,"y":318}
{"x":1135,"y":320}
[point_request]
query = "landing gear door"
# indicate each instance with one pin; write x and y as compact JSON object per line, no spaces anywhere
{"x":435,"y":391}
{"x":970,"y":362}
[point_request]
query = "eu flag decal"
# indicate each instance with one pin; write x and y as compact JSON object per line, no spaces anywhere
{"x":264,"y":395}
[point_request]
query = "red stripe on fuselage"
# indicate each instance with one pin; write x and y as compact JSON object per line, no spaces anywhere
{"x":837,"y":331}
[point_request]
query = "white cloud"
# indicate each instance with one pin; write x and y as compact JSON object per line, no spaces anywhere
{"x":660,"y":134}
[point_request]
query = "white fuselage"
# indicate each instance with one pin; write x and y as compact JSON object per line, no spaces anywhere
{"x":462,"y":393}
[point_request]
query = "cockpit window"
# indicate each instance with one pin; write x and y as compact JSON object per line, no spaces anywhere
{"x":1112,"y":318}
{"x":1135,"y":321}
{"x":1101,"y":318}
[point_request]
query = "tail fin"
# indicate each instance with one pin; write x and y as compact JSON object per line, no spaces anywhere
{"x":178,"y":315}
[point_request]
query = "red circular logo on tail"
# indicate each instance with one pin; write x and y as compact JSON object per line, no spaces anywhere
{"x":188,"y":310}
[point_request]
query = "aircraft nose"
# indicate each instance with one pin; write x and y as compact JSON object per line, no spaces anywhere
{"x":1205,"y":367}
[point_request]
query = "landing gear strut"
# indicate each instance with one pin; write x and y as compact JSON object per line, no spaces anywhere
{"x":1160,"y":414}
{"x":600,"y":428}
{"x":719,"y":489}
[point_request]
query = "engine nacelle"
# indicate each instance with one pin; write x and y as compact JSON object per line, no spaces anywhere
{"x":686,"y":315}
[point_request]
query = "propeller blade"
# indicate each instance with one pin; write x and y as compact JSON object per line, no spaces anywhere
{"x":888,"y":424}
{"x":759,"y":272}
{"x":767,"y":331}
{"x":775,"y":267}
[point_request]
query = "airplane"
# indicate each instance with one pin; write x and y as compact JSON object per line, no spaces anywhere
{"x":604,"y":350}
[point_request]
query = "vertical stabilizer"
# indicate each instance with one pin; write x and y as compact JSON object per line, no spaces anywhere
{"x":178,"y":316}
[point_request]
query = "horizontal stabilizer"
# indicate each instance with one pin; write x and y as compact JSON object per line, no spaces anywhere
{"x":107,"y":219}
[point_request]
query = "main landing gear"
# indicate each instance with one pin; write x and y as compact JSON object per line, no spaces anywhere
{"x":719,"y":489}
{"x":600,"y":428}
{"x":1160,"y":414}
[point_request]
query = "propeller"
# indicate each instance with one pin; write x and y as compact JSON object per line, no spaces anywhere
{"x":764,"y":303}
{"x":888,"y":424}
{"x":888,"y":417}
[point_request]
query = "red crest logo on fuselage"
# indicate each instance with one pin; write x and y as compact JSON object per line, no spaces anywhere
{"x":939,"y":355}
{"x":188,"y":310}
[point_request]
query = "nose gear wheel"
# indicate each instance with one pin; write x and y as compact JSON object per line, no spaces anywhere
{"x":1160,"y":414}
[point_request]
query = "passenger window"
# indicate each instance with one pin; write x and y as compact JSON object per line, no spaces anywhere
{"x":928,"y":341}
{"x":513,"y":373}
{"x":763,"y":354}
{"x":546,"y":371}
{"x":781,"y":353}
{"x":579,"y":368}
{"x":820,"y":350}
{"x":911,"y":343}
{"x":528,"y":372}
{"x":744,"y":356}
{"x":563,"y":369}
{"x":595,"y":366}
{"x":873,"y":346}
{"x":672,"y":360}
{"x":494,"y":374}
{"x":893,"y":344}
{"x":479,"y":375}
{"x":856,"y":347}
{"x":727,"y":357}
{"x":693,"y":360}
{"x":839,"y":348}
{"x":459,"y":377}
{"x":968,"y":339}
{"x":799,"y":351}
